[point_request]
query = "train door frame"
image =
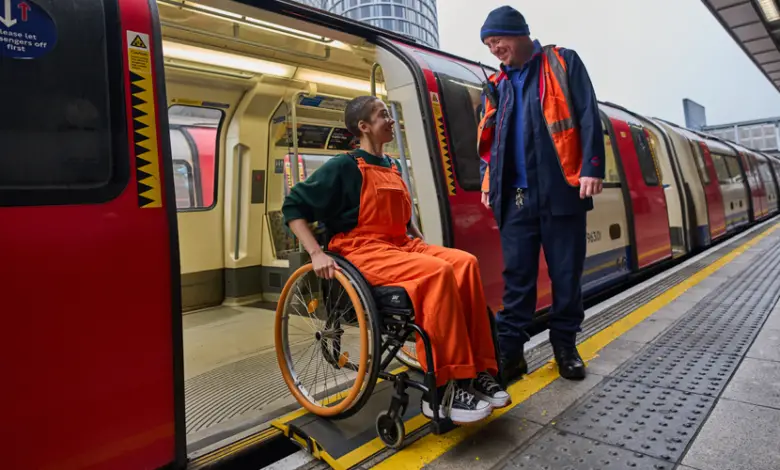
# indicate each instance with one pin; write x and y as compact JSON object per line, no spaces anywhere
{"x":709,"y":166}
{"x":609,"y":129}
{"x":685,"y":197}
{"x":750,"y":170}
{"x":774,"y":169}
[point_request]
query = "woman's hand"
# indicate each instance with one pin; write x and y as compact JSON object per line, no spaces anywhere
{"x":324,"y":266}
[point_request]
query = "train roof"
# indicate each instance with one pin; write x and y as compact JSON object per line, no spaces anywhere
{"x":345,"y":25}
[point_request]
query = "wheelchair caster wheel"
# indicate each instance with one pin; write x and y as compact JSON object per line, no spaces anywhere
{"x":391,"y":431}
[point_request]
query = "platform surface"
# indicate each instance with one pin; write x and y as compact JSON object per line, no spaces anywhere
{"x":689,"y":380}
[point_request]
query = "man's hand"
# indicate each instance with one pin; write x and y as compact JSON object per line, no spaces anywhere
{"x":590,"y":186}
{"x":485,"y":201}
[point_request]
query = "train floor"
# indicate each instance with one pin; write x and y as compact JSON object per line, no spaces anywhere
{"x":684,"y":373}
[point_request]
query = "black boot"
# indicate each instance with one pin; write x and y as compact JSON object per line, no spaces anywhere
{"x":512,"y":370}
{"x":570,"y":364}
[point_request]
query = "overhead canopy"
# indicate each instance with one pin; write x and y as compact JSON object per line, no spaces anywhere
{"x":755,"y":26}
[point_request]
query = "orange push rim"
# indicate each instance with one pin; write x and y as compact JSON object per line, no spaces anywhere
{"x":281,"y":356}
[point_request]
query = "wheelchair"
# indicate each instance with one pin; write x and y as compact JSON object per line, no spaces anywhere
{"x":346,"y":333}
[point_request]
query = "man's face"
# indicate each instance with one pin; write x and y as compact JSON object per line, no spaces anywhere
{"x":507,"y":49}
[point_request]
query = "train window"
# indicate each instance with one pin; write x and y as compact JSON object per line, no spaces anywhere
{"x":700,"y":166}
{"x":766,"y":172}
{"x":654,"y":147}
{"x":194,"y":140}
{"x":645,"y":154}
{"x":64,"y":135}
{"x":461,"y":94}
{"x":720,"y":168}
{"x":735,"y":173}
{"x":611,"y":172}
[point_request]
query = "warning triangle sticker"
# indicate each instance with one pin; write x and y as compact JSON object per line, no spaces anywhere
{"x":138,"y":42}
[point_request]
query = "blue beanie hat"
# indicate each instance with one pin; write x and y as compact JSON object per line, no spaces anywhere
{"x":504,"y":21}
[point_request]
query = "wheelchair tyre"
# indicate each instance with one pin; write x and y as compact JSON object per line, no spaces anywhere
{"x":390,"y":430}
{"x":367,"y":367}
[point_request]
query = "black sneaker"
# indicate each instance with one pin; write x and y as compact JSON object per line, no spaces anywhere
{"x":458,"y":404}
{"x":486,"y":388}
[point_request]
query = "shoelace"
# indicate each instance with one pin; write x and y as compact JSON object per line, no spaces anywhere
{"x":487,"y":382}
{"x":454,"y":392}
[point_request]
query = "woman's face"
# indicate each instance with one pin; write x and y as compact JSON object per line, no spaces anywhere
{"x":380,"y":129}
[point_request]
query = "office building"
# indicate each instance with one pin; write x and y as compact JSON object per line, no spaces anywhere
{"x":417,"y":19}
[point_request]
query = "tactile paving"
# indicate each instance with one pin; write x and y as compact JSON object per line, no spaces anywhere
{"x":687,"y":371}
{"x":648,"y":413}
{"x":559,"y":450}
{"x":651,"y":420}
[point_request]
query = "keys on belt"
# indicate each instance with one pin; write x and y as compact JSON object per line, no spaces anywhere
{"x":520,"y":197}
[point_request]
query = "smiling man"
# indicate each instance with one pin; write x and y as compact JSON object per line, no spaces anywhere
{"x":542,"y":151}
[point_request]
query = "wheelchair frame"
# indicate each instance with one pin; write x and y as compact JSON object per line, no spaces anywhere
{"x":393,"y":326}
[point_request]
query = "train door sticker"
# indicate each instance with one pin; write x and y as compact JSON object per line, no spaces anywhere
{"x":27,"y":31}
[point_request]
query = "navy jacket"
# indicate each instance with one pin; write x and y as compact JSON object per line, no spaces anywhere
{"x":548,"y":192}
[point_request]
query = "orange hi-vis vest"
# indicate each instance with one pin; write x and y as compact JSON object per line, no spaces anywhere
{"x":557,"y":110}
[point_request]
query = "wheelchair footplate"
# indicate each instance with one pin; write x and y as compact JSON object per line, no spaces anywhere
{"x":345,"y":443}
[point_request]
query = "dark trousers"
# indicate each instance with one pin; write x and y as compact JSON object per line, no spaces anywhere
{"x":563,"y":239}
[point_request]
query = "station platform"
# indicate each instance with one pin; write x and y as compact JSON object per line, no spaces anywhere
{"x":683,"y":373}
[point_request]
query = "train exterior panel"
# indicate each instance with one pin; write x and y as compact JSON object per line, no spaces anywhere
{"x":93,"y":318}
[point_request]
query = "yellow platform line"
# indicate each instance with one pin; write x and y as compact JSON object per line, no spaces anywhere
{"x":427,"y":449}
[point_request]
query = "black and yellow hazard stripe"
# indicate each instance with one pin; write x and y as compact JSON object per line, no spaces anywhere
{"x":444,"y":148}
{"x":147,"y":156}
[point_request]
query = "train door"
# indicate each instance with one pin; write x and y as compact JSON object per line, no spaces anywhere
{"x":608,"y":240}
{"x":90,"y":269}
{"x":648,"y":219}
{"x":671,"y":180}
{"x":651,"y":241}
{"x":742,"y":166}
{"x":198,"y":115}
{"x":733,"y":187}
{"x":709,"y":180}
{"x":761,"y":191}
{"x":774,"y":163}
{"x":765,"y":173}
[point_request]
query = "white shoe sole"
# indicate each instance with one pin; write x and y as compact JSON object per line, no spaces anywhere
{"x":494,"y":402}
{"x":459,"y":416}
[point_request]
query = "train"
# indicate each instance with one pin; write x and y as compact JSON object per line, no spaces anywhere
{"x":153,"y":148}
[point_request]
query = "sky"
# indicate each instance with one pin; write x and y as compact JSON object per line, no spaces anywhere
{"x":644,"y":55}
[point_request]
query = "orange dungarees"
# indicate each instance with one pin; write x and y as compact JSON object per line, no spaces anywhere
{"x":444,"y":284}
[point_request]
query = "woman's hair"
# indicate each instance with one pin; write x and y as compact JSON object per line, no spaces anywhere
{"x":359,"y":109}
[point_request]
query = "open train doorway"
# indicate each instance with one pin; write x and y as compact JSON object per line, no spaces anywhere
{"x":255,"y":104}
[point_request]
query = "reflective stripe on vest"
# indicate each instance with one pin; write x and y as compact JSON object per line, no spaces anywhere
{"x":557,"y":109}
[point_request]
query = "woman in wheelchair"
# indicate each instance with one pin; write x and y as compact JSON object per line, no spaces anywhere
{"x":363,"y":200}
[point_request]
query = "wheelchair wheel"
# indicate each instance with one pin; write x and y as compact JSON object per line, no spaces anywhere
{"x":327,"y":341}
{"x":390,"y":430}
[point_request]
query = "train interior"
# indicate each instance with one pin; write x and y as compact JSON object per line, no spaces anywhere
{"x":238,"y":81}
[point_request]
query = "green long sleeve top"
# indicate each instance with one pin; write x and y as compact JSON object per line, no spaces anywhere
{"x":331,"y":195}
